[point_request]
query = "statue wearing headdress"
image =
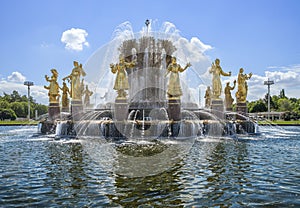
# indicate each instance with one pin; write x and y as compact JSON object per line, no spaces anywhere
{"x":228,"y":98}
{"x":65,"y":91}
{"x":121,"y":82}
{"x":53,"y":88}
{"x":174,"y":88}
{"x":74,"y":78}
{"x":207,"y":97}
{"x":217,"y":71}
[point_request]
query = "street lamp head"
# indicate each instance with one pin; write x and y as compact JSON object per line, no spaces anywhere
{"x":28,"y":83}
{"x":269,"y":82}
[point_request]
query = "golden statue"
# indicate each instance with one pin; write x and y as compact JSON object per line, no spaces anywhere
{"x":81,"y":88}
{"x":207,"y":97}
{"x":53,"y":87}
{"x":87,"y":93}
{"x":242,"y":91}
{"x":65,"y":92}
{"x":174,"y":88}
{"x":216,"y":71}
{"x":121,"y":82}
{"x":74,"y":78}
{"x":228,"y":98}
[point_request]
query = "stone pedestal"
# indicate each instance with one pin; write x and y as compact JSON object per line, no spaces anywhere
{"x":228,"y":109}
{"x":53,"y":111}
{"x":76,"y":109}
{"x":242,"y":108}
{"x":217,"y":107}
{"x":174,"y":109}
{"x":121,"y":109}
{"x":65,"y":109}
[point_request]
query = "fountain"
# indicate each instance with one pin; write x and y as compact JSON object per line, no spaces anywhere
{"x":147,"y":97}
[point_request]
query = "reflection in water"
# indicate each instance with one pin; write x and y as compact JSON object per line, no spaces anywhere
{"x":158,"y":190}
{"x":227,"y":165}
{"x":242,"y":172}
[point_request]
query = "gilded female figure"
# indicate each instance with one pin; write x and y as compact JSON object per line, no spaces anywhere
{"x":53,"y":87}
{"x":65,"y":92}
{"x":174,"y":88}
{"x":217,"y":71}
{"x":242,"y":92}
{"x":228,"y":98}
{"x":121,"y":82}
{"x":74,"y":78}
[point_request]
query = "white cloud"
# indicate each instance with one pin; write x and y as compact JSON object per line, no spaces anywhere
{"x":75,"y":39}
{"x":38,"y":93}
{"x":16,"y":77}
{"x":288,"y":78}
{"x":193,"y":51}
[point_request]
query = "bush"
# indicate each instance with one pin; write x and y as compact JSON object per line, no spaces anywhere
{"x":7,"y":114}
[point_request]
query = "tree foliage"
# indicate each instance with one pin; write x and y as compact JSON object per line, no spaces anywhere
{"x":278,"y":103}
{"x":16,"y":105}
{"x":7,"y":114}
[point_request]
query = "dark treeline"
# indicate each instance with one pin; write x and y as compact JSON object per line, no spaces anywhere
{"x":15,"y":106}
{"x":278,"y":103}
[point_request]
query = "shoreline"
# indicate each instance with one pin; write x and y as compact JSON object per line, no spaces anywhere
{"x":35,"y":124}
{"x":18,"y":124}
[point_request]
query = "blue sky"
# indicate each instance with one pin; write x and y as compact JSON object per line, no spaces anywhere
{"x":262,"y":36}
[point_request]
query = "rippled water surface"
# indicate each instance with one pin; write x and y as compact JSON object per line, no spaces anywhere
{"x":258,"y":171}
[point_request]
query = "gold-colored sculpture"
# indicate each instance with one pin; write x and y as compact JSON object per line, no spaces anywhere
{"x":74,"y":78}
{"x":87,"y":93}
{"x":228,"y":98}
{"x":242,"y":91}
{"x":82,"y":88}
{"x":121,"y":82}
{"x":207,"y":97}
{"x":217,"y":71}
{"x":174,"y":88}
{"x":65,"y":92}
{"x":53,"y":88}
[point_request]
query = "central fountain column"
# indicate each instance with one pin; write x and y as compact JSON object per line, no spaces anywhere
{"x":174,"y":108}
{"x":121,"y":109}
{"x":76,"y":109}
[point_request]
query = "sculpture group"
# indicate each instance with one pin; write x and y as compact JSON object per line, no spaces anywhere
{"x":77,"y":91}
{"x":213,"y":96}
{"x":146,"y":99}
{"x":80,"y":93}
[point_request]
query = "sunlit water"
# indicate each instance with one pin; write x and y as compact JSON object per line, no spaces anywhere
{"x":263,"y":171}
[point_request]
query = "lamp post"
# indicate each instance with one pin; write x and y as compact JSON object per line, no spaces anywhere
{"x":28,"y":84}
{"x":269,"y":83}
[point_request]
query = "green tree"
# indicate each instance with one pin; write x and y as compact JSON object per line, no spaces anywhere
{"x":15,"y":96}
{"x":275,"y":99}
{"x":18,"y":108}
{"x":4,"y":104}
{"x":19,"y":104}
{"x":282,"y":94}
{"x":7,"y":114}
{"x":42,"y":109}
{"x":257,"y":106}
{"x":285,"y":104}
